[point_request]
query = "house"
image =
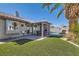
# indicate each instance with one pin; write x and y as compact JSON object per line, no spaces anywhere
{"x":55,"y":29}
{"x":65,"y":29}
{"x":14,"y":26}
{"x":61,"y":29}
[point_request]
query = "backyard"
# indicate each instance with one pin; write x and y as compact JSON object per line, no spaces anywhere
{"x":47,"y":47}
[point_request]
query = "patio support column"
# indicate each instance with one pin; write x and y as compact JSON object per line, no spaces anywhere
{"x":48,"y":29}
{"x":42,"y":30}
{"x":32,"y":29}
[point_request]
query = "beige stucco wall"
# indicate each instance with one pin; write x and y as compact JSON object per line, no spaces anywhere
{"x":2,"y":28}
{"x":17,"y":32}
{"x":13,"y":33}
{"x":4,"y":33}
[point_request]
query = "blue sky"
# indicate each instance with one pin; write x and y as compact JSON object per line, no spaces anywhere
{"x":34,"y":12}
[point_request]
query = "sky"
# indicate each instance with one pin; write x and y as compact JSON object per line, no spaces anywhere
{"x":34,"y":12}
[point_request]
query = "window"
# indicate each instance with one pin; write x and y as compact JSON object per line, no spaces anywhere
{"x":11,"y":25}
{"x":22,"y":25}
{"x":14,"y":25}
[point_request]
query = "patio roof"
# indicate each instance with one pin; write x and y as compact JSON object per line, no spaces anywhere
{"x":13,"y":17}
{"x":41,"y":21}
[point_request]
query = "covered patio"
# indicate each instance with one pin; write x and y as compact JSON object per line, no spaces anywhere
{"x":14,"y":27}
{"x":32,"y":31}
{"x":39,"y":29}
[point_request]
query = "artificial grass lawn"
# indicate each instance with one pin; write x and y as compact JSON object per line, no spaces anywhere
{"x":50,"y":46}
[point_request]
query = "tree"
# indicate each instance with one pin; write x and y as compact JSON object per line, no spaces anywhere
{"x":71,"y":11}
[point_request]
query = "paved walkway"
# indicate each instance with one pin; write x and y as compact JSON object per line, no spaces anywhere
{"x":31,"y":37}
{"x":41,"y":38}
{"x":2,"y":42}
{"x":65,"y":39}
